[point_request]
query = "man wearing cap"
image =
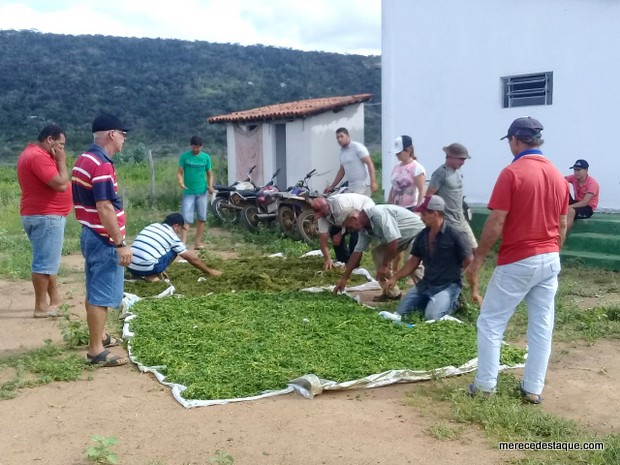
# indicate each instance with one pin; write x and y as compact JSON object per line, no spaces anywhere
{"x":395,"y":228}
{"x":447,"y":182}
{"x":445,"y":251}
{"x":332,"y":213}
{"x":158,"y":245}
{"x":100,"y":212}
{"x":586,"y":191}
{"x":528,"y":207}
{"x":44,"y":205}
{"x":356,"y":163}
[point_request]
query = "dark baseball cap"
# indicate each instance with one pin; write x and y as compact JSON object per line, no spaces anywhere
{"x":580,"y":165}
{"x":108,"y":122}
{"x":174,"y":218}
{"x":524,"y":126}
{"x":456,"y":150}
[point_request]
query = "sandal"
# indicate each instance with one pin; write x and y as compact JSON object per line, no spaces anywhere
{"x":111,"y":341}
{"x":473,"y":391}
{"x":103,"y":360}
{"x":529,"y":397}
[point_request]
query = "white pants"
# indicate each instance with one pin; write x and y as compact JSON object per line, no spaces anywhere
{"x":535,"y":280}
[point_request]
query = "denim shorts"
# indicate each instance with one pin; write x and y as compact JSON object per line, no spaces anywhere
{"x":46,"y":234}
{"x":104,"y":275}
{"x":191,"y":203}
{"x":162,"y":264}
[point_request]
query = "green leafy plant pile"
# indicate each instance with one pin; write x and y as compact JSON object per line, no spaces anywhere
{"x":254,"y":273}
{"x":240,"y":344}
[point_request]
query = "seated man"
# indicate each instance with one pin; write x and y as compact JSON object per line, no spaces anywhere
{"x":331,"y":213}
{"x":585,"y":189}
{"x":395,"y":228}
{"x":446,"y":251}
{"x":156,"y":247}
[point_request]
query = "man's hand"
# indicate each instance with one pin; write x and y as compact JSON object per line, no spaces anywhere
{"x":472,"y":274}
{"x":476,"y":298}
{"x":389,"y":284}
{"x":340,"y":285}
{"x":58,"y":154}
{"x":182,"y":185}
{"x":124,"y":255}
{"x":328,"y":264}
{"x":382,"y":272}
{"x":328,"y":189}
{"x":211,"y":190}
{"x":337,"y":239}
{"x":374,"y":186}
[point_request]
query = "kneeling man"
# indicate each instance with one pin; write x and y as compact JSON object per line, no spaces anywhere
{"x":156,"y":247}
{"x":445,"y":251}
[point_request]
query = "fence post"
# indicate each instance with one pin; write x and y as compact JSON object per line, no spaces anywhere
{"x":152,"y":174}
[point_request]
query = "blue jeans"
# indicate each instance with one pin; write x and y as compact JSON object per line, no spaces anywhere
{"x":197,"y":203}
{"x":46,"y":234}
{"x":535,"y":280}
{"x":434,"y":304}
{"x":104,"y":275}
{"x":159,"y":267}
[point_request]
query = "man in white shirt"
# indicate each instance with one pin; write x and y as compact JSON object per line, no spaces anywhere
{"x":331,"y":213}
{"x":158,"y":245}
{"x":356,"y":164}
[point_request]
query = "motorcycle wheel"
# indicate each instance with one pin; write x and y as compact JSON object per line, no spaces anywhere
{"x":249,"y":217}
{"x":287,"y":221}
{"x":308,"y":227}
{"x":223,"y":212}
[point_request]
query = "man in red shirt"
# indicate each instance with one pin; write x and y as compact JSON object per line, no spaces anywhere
{"x":528,"y":207}
{"x":44,"y":206}
{"x":586,"y":192}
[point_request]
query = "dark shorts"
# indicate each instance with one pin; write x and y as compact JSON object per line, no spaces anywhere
{"x":581,"y":213}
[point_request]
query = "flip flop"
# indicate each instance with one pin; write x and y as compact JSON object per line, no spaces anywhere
{"x":529,"y":397}
{"x":103,"y":360}
{"x":111,"y":341}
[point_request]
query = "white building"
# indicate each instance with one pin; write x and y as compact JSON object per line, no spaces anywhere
{"x":462,"y":71}
{"x":295,"y":137}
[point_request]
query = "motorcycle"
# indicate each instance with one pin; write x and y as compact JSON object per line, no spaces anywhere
{"x":261,"y":208}
{"x":307,"y":224}
{"x":292,"y":203}
{"x":226,"y":205}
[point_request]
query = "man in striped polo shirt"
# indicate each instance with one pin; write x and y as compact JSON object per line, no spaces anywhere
{"x":100,"y":212}
{"x":156,"y":247}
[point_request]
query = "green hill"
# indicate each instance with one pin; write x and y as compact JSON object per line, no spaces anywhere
{"x":165,"y":89}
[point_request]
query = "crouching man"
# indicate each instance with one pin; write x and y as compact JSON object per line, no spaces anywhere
{"x":394,"y":228}
{"x":445,"y":251}
{"x":158,"y":245}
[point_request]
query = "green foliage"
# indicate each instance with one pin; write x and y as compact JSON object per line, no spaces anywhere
{"x":239,"y":344}
{"x":222,"y":457}
{"x":40,"y":366}
{"x":165,"y":89}
{"x":101,"y":452}
{"x":74,"y":330}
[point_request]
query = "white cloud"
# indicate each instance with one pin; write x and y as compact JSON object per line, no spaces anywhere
{"x":344,"y":26}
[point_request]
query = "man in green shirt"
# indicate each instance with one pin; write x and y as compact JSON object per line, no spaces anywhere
{"x":196,"y":179}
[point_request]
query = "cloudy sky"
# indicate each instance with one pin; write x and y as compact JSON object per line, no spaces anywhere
{"x":342,"y":26}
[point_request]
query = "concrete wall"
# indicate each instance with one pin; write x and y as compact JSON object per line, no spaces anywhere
{"x":441,"y":83}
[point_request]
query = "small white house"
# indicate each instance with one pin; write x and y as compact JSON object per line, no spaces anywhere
{"x":296,"y":137}
{"x":462,"y":71}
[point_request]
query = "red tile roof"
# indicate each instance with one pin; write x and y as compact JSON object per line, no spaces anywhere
{"x":299,"y":109}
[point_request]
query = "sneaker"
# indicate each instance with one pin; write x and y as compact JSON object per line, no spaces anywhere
{"x":529,"y":397}
{"x":473,"y":391}
{"x":386,"y":298}
{"x":390,"y":316}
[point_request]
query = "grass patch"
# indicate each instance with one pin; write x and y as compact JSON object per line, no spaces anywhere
{"x":505,"y":418}
{"x":41,"y":366}
{"x":240,"y":344}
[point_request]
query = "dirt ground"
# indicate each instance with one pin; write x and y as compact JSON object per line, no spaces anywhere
{"x":53,"y":424}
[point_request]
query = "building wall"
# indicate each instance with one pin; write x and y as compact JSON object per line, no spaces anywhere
{"x":442,"y":64}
